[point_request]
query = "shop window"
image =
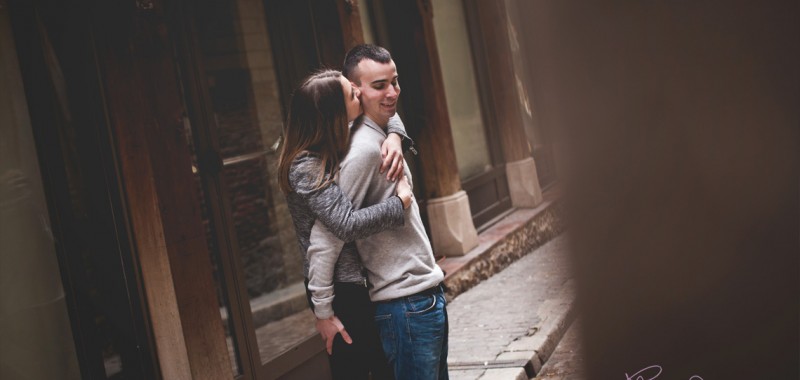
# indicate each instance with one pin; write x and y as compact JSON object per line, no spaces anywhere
{"x":243,"y":96}
{"x":249,"y":56}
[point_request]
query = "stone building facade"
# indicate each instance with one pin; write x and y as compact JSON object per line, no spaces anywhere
{"x":139,"y":150}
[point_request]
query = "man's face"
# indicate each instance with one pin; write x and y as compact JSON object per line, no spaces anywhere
{"x":379,"y":89}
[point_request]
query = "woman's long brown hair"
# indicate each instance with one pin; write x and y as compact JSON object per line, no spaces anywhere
{"x":317,"y":124}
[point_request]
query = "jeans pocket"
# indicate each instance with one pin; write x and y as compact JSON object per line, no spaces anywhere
{"x":421,"y":305}
{"x":386,"y":332}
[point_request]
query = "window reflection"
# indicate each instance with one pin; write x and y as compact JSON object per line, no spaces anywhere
{"x":242,"y":85}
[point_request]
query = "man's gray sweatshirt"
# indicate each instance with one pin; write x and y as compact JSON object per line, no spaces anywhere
{"x":399,"y":261}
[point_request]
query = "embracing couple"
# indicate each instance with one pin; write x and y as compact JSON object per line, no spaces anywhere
{"x":371,"y":277}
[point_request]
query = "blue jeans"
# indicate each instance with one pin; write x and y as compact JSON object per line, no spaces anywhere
{"x":413,"y":333}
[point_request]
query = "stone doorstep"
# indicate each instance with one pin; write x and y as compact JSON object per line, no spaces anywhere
{"x":513,"y":236}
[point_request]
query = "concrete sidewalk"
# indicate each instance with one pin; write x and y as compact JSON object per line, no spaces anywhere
{"x":508,"y":325}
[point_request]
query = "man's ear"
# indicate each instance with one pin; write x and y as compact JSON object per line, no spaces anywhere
{"x":358,"y":87}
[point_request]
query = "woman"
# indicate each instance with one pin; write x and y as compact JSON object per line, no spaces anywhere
{"x":316,"y":139}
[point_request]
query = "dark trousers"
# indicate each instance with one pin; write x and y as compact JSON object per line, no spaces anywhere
{"x":356,"y":361}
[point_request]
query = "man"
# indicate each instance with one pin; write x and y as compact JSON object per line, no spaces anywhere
{"x":404,"y":280}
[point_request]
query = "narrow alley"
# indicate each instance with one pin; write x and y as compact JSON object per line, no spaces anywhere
{"x":506,"y":326}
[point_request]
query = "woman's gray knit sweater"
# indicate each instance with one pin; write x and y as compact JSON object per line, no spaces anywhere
{"x":334,"y":209}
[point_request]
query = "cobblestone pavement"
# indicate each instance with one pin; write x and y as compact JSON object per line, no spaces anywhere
{"x":509,"y":306}
{"x":566,"y":362}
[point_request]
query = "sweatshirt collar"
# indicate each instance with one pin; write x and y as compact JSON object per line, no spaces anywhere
{"x":370,"y":123}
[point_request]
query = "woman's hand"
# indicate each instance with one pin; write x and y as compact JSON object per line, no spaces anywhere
{"x":392,"y":153}
{"x":328,"y":328}
{"x":404,"y":192}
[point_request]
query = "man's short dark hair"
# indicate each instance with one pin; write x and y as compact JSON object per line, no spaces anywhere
{"x":359,"y":53}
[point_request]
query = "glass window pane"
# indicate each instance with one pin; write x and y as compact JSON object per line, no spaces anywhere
{"x":461,"y":89}
{"x":244,"y":93}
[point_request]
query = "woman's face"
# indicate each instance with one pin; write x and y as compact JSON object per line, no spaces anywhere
{"x":351,"y":101}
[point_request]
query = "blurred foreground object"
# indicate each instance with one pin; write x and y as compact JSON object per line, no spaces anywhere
{"x":679,"y":125}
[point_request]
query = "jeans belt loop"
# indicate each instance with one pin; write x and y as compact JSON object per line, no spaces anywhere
{"x":433,"y":290}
